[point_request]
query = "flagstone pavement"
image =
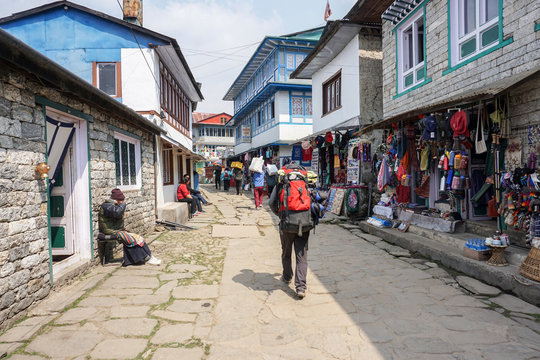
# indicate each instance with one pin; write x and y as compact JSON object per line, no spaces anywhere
{"x":218,"y":295}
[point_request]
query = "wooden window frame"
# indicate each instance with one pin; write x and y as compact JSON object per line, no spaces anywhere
{"x":174,"y":101}
{"x":336,"y":95}
{"x":168,"y":172}
{"x":118,"y":71}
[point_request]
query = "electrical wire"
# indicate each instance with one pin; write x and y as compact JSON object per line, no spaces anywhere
{"x":140,"y":48}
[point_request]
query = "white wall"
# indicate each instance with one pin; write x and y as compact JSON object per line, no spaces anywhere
{"x":139,"y":89}
{"x":348,"y":62}
{"x":293,"y":132}
{"x":241,"y":148}
{"x":269,"y":136}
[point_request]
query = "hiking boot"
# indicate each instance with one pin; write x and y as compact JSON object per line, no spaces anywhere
{"x":301,"y":294}
{"x":154,"y":261}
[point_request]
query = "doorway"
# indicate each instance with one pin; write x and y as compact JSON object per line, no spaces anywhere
{"x":69,"y":197}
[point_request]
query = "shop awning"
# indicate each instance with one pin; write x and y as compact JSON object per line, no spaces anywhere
{"x":349,"y":124}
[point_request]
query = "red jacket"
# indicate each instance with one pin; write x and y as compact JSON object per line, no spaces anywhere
{"x":182,"y":192}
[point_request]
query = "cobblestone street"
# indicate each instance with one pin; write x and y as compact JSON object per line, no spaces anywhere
{"x":218,"y":295}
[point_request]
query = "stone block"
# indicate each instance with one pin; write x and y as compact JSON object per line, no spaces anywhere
{"x":22,"y":113}
{"x":5,"y":107}
{"x":31,"y":131}
{"x":177,"y":212}
{"x":10,"y":127}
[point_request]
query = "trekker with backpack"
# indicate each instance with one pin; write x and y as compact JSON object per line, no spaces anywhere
{"x":291,"y":201}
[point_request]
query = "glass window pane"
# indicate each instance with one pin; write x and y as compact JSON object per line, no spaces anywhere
{"x":420,"y":74}
{"x":124,"y":159}
{"x":107,"y":78}
{"x":409,"y":80}
{"x":308,"y":106}
{"x":469,"y":16}
{"x":117,"y":161}
{"x":468,"y":47}
{"x":290,"y":61}
{"x":419,"y":41}
{"x":132,"y":167}
{"x":492,"y":9}
{"x":490,"y":36}
{"x":407,"y":49}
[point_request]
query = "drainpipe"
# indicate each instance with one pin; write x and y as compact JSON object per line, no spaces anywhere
{"x":156,"y":143}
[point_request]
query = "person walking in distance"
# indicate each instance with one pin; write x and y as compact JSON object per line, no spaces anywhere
{"x":217,"y":176}
{"x":238,"y":176}
{"x":227,"y":179}
{"x":258,"y":187}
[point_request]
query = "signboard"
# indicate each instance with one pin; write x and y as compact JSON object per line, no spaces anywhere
{"x":315,"y":161}
{"x":246,"y":134}
{"x":353,"y":165}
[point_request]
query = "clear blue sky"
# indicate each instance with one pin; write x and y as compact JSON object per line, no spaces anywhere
{"x":212,"y":33}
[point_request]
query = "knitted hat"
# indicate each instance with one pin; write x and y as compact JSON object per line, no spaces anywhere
{"x":117,"y":194}
{"x":459,"y":124}
{"x":430,"y":130}
{"x":329,"y":137}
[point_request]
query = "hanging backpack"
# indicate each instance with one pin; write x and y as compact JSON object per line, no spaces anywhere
{"x":294,"y":200}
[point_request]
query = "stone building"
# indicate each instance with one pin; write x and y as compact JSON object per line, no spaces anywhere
{"x":441,"y":56}
{"x":39,"y":98}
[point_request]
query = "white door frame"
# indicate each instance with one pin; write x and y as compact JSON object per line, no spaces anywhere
{"x":80,"y":191}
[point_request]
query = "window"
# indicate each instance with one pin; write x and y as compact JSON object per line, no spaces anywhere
{"x":174,"y":101}
{"x":410,"y":56}
{"x":106,"y":77}
{"x":332,"y":93}
{"x":223,"y":120}
{"x":272,"y":110}
{"x":127,"y":159}
{"x":167,"y":155}
{"x":297,"y":105}
{"x":309,"y":106}
{"x":475,"y":27}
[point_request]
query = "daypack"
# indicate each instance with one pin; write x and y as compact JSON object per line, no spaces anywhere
{"x":294,"y":200}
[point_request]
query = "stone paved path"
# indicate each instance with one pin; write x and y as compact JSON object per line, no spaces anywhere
{"x":218,"y":296}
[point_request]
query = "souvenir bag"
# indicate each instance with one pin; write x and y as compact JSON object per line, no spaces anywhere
{"x":256,"y":164}
{"x":480,"y":144}
{"x":423,"y":189}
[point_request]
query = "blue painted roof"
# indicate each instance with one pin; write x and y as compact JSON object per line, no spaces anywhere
{"x":73,"y":35}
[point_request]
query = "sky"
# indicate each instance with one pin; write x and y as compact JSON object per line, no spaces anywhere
{"x":217,"y":37}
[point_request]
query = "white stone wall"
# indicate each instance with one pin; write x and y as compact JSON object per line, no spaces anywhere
{"x":24,"y":243}
{"x":521,"y":56}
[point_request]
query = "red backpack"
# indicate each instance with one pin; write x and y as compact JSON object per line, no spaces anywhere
{"x":294,"y":200}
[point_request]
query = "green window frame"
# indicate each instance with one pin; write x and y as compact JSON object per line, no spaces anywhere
{"x":475,"y":29}
{"x":411,"y":54}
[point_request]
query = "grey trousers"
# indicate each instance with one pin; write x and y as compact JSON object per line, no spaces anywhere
{"x":300,"y":250}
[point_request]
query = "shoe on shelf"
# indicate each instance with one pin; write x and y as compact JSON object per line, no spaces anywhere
{"x":154,"y":261}
{"x":285,"y":280}
{"x":301,"y":294}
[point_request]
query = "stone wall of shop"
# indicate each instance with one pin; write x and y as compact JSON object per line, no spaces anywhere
{"x":24,"y":243}
{"x":503,"y":66}
{"x":370,"y":76}
{"x":24,"y":254}
{"x":524,"y":111}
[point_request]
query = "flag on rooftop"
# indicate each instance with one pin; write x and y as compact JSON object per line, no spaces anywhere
{"x":327,"y":11}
